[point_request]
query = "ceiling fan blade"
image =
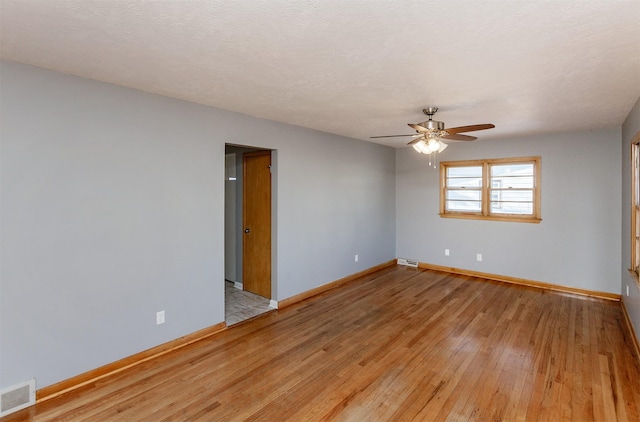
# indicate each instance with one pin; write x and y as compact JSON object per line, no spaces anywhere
{"x":471,"y":128}
{"x":419,"y":128}
{"x":389,"y":136}
{"x":456,"y":137}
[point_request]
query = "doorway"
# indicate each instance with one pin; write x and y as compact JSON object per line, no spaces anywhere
{"x":248,"y":233}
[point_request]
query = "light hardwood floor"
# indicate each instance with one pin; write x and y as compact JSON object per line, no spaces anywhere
{"x":401,"y":344}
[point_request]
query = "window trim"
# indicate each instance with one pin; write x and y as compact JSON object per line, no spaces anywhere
{"x":485,"y":213}
{"x":635,"y":208}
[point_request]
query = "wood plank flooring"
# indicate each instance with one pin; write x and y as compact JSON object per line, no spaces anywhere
{"x":398,"y":345}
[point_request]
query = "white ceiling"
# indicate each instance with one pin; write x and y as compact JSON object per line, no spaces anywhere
{"x":357,"y":68}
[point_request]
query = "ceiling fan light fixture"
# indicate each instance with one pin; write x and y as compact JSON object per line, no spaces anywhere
{"x":433,"y":145}
{"x":421,"y":147}
{"x":429,"y":146}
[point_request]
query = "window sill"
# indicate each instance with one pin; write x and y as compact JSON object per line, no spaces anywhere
{"x":493,"y":218}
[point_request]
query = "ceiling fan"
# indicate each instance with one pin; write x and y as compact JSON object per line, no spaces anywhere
{"x":431,"y":133}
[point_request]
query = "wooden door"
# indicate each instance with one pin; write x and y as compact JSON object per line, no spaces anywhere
{"x":256,"y":216}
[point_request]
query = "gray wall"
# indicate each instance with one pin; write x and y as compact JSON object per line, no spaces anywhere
{"x":113,"y":208}
{"x":630,"y":129}
{"x":578,"y":242}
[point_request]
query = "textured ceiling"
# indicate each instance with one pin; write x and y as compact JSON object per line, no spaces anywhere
{"x":352,"y":67}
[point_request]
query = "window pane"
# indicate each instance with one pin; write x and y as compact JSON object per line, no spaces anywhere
{"x":467,"y":171}
{"x":516,"y":182}
{"x":524,"y":208}
{"x":465,"y":182}
{"x":466,"y":206}
{"x":637,"y":239}
{"x":636,"y":172}
{"x":635,"y":244}
{"x":512,"y":169}
{"x":464,"y":195}
{"x":512,"y":195}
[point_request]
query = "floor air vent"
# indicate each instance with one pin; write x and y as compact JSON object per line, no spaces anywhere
{"x":17,"y":397}
{"x":408,"y":262}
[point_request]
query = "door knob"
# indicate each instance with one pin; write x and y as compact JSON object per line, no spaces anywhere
{"x":247,"y":230}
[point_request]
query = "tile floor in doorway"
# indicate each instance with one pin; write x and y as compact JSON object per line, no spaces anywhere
{"x":240,"y":305}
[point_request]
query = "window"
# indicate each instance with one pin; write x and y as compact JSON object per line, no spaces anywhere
{"x":635,"y":211}
{"x":506,"y":189}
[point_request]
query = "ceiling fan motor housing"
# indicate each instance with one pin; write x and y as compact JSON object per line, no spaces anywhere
{"x":432,"y":125}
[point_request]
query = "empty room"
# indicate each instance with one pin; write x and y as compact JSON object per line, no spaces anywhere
{"x":319,"y":210}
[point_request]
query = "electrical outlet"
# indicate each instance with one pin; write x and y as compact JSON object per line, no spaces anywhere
{"x":479,"y":257}
{"x":159,"y":317}
{"x":356,"y":258}
{"x":446,"y":252}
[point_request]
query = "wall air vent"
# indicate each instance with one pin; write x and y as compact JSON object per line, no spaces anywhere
{"x":17,"y":397}
{"x":408,"y":262}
